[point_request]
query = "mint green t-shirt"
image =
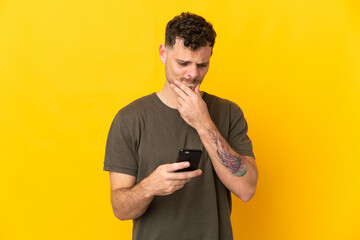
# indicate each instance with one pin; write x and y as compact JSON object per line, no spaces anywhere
{"x":145,"y":134}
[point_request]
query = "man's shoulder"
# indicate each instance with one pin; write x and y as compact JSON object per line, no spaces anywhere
{"x":137,"y":107}
{"x":139,"y":104}
{"x":214,"y":101}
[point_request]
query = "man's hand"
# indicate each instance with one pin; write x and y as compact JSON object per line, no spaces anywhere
{"x":191,"y":106}
{"x":164,"y":180}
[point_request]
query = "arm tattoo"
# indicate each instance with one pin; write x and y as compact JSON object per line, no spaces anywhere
{"x":234,"y":163}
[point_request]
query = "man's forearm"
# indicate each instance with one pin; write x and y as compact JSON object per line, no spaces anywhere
{"x":130,"y":203}
{"x":226,"y":156}
{"x":237,"y":172}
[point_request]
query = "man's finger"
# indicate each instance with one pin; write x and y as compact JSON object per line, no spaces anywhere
{"x":180,"y":101}
{"x":178,"y":91}
{"x":186,"y":175}
{"x":197,"y":91}
{"x":179,"y":182}
{"x":183,"y":87}
{"x":177,"y":166}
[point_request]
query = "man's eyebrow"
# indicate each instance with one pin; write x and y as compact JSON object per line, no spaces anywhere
{"x":184,"y":61}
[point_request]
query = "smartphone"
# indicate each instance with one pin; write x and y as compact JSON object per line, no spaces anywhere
{"x":191,"y":155}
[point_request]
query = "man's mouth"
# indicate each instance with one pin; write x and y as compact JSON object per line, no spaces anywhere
{"x":191,"y":85}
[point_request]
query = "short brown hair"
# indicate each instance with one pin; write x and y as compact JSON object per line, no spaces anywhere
{"x":193,"y":29}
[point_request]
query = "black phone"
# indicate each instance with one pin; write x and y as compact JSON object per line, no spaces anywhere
{"x":191,"y":155}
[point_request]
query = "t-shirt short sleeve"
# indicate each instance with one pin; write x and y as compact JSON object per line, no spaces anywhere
{"x":238,"y":138}
{"x":120,"y":153}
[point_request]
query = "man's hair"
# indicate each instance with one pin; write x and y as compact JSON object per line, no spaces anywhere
{"x":193,"y":29}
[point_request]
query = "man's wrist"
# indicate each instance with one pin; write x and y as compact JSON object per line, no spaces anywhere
{"x":147,"y":193}
{"x":204,"y":126}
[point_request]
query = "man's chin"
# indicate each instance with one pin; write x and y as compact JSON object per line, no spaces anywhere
{"x":191,"y":86}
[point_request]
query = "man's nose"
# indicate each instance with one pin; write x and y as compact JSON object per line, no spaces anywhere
{"x":193,"y":72}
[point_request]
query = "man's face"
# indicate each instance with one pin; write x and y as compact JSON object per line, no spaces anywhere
{"x":185,"y":65}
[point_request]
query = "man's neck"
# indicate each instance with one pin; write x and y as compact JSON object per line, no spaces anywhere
{"x":168,"y":96}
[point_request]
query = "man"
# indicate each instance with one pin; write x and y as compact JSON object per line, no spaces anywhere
{"x":145,"y":137}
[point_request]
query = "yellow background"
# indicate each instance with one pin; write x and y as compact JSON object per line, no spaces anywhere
{"x":67,"y":67}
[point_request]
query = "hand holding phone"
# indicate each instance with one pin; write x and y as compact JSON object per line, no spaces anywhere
{"x":192,"y":156}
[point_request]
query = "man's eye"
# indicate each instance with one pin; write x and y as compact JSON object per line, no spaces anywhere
{"x":202,"y":65}
{"x":182,"y":64}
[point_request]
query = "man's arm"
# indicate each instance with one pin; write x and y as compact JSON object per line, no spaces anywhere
{"x":238,"y":173}
{"x":130,"y":200}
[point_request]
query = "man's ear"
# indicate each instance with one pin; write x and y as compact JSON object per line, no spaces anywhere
{"x":211,"y":52}
{"x":162,"y":53}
